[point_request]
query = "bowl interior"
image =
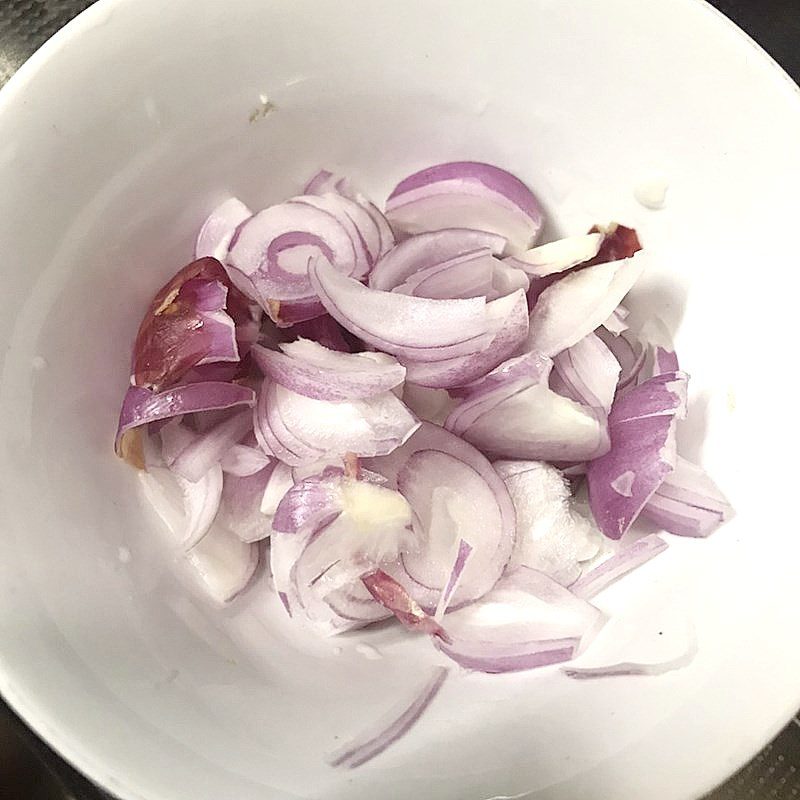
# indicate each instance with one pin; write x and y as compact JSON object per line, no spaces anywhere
{"x":115,"y":142}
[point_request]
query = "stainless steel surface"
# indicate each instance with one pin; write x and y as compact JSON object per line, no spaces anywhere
{"x":30,"y":770}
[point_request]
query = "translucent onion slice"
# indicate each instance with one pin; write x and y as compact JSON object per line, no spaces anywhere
{"x":604,"y":574}
{"x":372,"y":742}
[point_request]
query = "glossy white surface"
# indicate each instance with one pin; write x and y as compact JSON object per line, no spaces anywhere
{"x":115,"y":142}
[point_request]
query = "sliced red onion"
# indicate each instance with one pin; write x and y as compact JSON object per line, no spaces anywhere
{"x":643,"y":452}
{"x":431,"y":405}
{"x":280,"y":481}
{"x":427,"y":251}
{"x":312,"y":370}
{"x":364,"y":235}
{"x":325,"y":181}
{"x":240,"y":505}
{"x":452,"y":502}
{"x":513,"y":413}
{"x":325,"y":331}
{"x":528,"y":620}
{"x":393,"y":597}
{"x":616,"y":322}
{"x":508,"y":317}
{"x":552,"y":537}
{"x":200,"y":498}
{"x":218,"y":230}
{"x":466,"y":194}
{"x":587,"y":373}
{"x":575,"y":305}
{"x":327,"y":532}
{"x":273,"y":251}
{"x":300,"y":430}
{"x":372,"y":742}
{"x":467,"y":275}
{"x":310,"y":505}
{"x":661,"y":357}
{"x":224,"y":563}
{"x":431,"y":437}
{"x":629,"y":352}
{"x":506,"y":280}
{"x":688,"y":502}
{"x":633,"y":668}
{"x":209,"y":448}
{"x":497,"y":658}
{"x":462,"y":556}
{"x":558,"y":256}
{"x":241,"y":460}
{"x":186,"y":325}
{"x":141,"y":406}
{"x":413,"y":327}
{"x":598,"y":578}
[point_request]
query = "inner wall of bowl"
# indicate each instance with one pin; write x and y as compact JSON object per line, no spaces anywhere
{"x":106,"y":185}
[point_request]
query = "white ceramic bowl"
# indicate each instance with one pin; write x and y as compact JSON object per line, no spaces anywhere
{"x":115,"y":141}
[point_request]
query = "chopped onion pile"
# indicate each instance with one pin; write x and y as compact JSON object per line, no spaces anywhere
{"x":402,"y":405}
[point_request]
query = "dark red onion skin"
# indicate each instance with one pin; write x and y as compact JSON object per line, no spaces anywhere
{"x":170,"y":340}
{"x":619,"y":242}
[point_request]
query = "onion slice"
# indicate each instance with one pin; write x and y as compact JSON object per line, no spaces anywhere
{"x":220,"y":227}
{"x":688,"y":502}
{"x":598,"y":578}
{"x":300,"y":430}
{"x":462,"y":556}
{"x":643,"y":452}
{"x":558,"y":256}
{"x":633,"y":667}
{"x":413,"y":327}
{"x":466,"y":194}
{"x":512,"y":413}
{"x":508,"y":316}
{"x":552,"y":537}
{"x":141,"y":406}
{"x":527,"y":620}
{"x":452,"y":502}
{"x":325,"y":181}
{"x":427,"y":251}
{"x":312,"y":370}
{"x":274,"y":248}
{"x":587,"y":373}
{"x":373,"y":742}
{"x":240,"y":505}
{"x":571,"y":308}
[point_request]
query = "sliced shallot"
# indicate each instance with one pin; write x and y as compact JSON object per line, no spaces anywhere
{"x":219,"y":229}
{"x":466,"y":194}
{"x":374,"y":741}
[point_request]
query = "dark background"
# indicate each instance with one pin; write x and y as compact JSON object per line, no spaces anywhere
{"x":29,"y":770}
